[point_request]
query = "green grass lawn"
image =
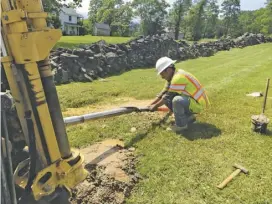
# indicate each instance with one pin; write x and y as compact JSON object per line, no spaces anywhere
{"x":187,"y":168}
{"x":75,"y":41}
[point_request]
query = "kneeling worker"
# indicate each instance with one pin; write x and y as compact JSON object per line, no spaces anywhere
{"x":183,"y":94}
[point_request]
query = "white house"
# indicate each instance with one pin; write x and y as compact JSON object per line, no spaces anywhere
{"x":101,"y":29}
{"x":69,"y":19}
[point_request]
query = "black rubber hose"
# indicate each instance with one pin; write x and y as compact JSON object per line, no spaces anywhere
{"x":52,"y":100}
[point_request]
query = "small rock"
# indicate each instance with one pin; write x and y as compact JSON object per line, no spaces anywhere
{"x":133,"y":129}
{"x":255,"y":94}
{"x":131,"y":149}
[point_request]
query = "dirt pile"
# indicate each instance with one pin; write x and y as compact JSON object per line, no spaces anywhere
{"x":112,"y":174}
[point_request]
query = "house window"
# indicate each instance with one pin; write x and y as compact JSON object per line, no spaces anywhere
{"x":70,"y":18}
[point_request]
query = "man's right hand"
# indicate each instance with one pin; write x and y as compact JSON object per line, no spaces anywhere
{"x":152,"y":108}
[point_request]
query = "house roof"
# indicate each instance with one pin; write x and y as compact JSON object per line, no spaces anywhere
{"x":102,"y":26}
{"x":70,"y":11}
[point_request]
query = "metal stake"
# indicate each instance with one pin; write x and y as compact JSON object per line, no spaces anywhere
{"x":265,"y":97}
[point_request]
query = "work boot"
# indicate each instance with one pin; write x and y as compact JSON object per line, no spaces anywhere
{"x":191,"y":119}
{"x":177,"y":129}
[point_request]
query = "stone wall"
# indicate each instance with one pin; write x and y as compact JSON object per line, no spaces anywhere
{"x":99,"y":60}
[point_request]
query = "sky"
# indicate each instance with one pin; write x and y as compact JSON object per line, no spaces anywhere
{"x":245,"y":5}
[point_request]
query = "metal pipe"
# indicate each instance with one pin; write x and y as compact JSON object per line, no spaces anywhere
{"x":93,"y":116}
{"x":10,"y":169}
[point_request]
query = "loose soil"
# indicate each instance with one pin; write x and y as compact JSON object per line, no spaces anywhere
{"x":112,"y":174}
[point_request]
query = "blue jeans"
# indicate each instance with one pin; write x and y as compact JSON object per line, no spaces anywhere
{"x":180,"y":105}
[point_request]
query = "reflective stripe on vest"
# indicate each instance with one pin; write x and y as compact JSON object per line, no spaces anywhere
{"x":198,"y":94}
{"x":177,"y":87}
{"x":206,"y":99}
{"x":191,"y":79}
{"x":199,"y":90}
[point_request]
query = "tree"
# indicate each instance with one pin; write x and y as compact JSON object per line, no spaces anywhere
{"x":86,"y":26}
{"x":122,"y":19}
{"x":72,"y":5}
{"x":152,"y":14}
{"x":247,"y":21}
{"x":259,"y":21}
{"x":115,"y":13}
{"x":211,"y":18}
{"x":219,"y":28}
{"x":106,"y":13}
{"x":264,"y":19}
{"x":135,"y":29}
{"x":231,"y":12}
{"x":93,"y":9}
{"x":54,"y":21}
{"x":195,"y":20}
{"x":177,"y":13}
{"x":54,"y":6}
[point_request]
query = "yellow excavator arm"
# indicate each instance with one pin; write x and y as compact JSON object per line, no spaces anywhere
{"x":26,"y":42}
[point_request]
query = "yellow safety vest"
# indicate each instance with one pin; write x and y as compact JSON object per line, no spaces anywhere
{"x":187,"y":84}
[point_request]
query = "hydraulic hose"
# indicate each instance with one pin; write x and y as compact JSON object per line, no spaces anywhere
{"x":54,"y":108}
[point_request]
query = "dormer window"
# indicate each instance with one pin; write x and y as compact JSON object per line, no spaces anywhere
{"x":70,"y":18}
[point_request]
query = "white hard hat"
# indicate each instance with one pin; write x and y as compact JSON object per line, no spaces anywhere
{"x":163,"y":63}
